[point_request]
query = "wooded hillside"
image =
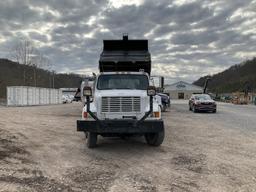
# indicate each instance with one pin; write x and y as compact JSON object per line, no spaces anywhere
{"x":12,"y":74}
{"x":236,"y":78}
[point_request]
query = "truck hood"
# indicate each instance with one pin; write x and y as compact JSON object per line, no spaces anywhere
{"x":121,"y":93}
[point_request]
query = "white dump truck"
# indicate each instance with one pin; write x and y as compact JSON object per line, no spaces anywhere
{"x":121,"y":102}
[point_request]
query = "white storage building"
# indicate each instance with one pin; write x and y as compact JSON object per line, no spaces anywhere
{"x":24,"y":96}
{"x":182,"y":90}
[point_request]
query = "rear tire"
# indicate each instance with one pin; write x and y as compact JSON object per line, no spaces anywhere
{"x":214,"y":111}
{"x":154,"y":139}
{"x":164,"y":107}
{"x":161,"y":108}
{"x":91,"y":141}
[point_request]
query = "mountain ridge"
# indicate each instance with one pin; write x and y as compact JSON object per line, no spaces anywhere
{"x":236,"y":78}
{"x":12,"y":74}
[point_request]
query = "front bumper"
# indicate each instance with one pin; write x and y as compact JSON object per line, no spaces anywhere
{"x":205,"y":107}
{"x":120,"y":126}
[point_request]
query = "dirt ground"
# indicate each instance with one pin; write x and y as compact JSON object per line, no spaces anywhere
{"x":40,"y":150}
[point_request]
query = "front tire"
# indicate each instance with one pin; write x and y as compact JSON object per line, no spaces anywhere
{"x":91,"y":140}
{"x":194,"y":109}
{"x":154,"y":139}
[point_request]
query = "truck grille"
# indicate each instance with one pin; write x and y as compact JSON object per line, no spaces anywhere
{"x":120,"y":104}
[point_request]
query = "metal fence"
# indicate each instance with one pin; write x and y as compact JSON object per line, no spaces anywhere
{"x":24,"y":96}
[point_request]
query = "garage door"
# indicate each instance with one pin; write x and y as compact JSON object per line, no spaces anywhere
{"x":181,"y":95}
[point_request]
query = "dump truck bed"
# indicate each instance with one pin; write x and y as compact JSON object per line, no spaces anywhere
{"x":125,"y":55}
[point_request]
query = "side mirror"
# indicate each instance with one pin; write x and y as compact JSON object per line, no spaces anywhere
{"x":87,"y":91}
{"x":151,"y":91}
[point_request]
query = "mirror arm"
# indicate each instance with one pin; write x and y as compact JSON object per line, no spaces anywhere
{"x":88,"y":108}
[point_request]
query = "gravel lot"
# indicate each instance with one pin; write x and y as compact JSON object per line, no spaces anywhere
{"x":40,"y":150}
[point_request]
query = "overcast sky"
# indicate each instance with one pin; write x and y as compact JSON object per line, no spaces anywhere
{"x":187,"y":39}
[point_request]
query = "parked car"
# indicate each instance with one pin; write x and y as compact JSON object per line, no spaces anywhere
{"x":165,"y":101}
{"x":202,"y":102}
{"x":66,"y":99}
{"x":71,"y":97}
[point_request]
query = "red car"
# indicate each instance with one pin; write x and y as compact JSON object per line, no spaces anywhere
{"x":202,"y":102}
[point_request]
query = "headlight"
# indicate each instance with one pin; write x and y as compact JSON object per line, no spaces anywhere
{"x":197,"y":103}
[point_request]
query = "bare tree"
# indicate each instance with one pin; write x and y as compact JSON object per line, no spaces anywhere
{"x":47,"y":64}
{"x":53,"y":80}
{"x":23,"y":53}
{"x":39,"y":61}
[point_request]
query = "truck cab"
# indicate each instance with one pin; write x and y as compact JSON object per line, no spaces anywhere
{"x":121,"y":102}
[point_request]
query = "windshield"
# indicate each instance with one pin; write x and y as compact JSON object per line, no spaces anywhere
{"x":122,"y":81}
{"x":202,"y":97}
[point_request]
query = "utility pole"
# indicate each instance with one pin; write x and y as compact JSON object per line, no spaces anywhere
{"x":24,"y":76}
{"x":50,"y":83}
{"x":53,"y":72}
{"x":34,"y":70}
{"x":247,"y":89}
{"x":206,"y":84}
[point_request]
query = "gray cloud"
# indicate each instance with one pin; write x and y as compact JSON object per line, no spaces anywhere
{"x":192,"y":38}
{"x":187,"y":40}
